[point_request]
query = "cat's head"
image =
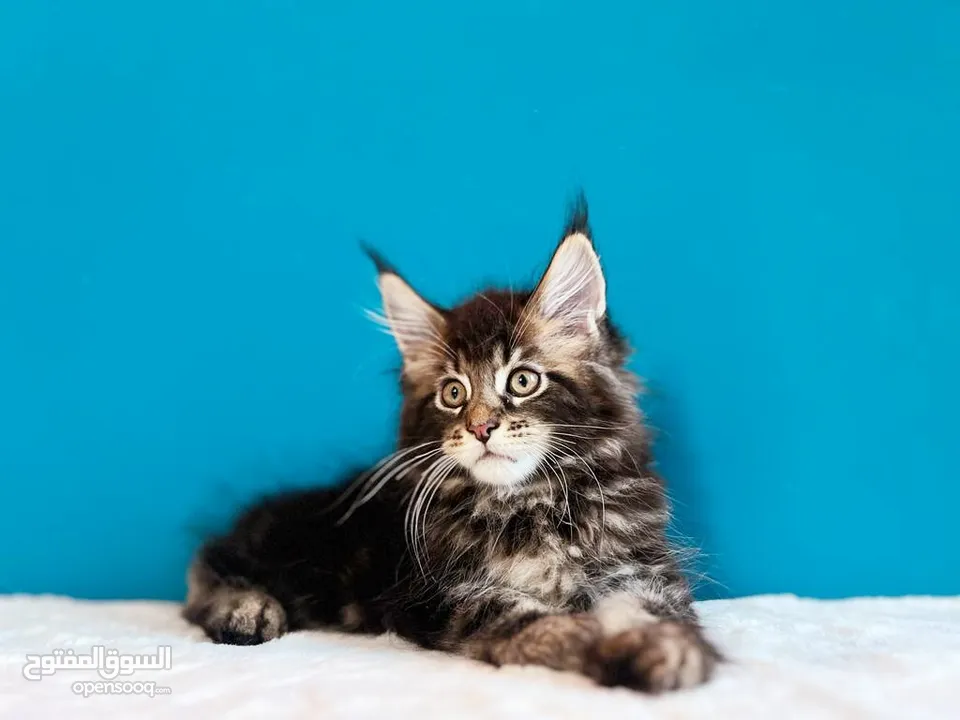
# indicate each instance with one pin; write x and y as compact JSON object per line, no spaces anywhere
{"x":509,"y":384}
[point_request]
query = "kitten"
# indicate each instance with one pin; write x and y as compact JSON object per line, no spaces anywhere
{"x":520,"y":522}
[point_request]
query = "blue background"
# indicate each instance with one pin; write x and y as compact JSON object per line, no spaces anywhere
{"x":774,"y":190}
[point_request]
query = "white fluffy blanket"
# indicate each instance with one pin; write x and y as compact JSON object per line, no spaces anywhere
{"x":791,"y":658}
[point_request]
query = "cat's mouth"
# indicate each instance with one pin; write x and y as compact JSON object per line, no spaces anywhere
{"x":497,"y":468}
{"x":489,"y":454}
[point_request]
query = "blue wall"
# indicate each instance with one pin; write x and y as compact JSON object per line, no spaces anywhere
{"x":774,"y":189}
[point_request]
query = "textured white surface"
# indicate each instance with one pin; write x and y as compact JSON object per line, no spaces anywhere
{"x":895,"y":658}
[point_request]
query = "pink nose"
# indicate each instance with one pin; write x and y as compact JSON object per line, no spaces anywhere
{"x":483,"y":430}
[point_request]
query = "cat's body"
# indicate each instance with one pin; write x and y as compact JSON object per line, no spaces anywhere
{"x":520,"y":521}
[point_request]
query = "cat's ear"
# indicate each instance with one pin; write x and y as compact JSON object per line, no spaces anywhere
{"x":572,"y":292}
{"x":415,"y":324}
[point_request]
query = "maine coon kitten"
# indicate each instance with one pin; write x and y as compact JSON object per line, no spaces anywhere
{"x":520,"y":522}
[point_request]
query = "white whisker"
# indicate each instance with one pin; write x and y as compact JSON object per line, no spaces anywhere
{"x":363,"y":478}
{"x":566,"y":447}
{"x":442,"y":477}
{"x":428,"y":484}
{"x":385,"y":472}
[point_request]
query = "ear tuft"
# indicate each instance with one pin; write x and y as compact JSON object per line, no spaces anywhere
{"x":578,"y":217}
{"x":379,"y":261}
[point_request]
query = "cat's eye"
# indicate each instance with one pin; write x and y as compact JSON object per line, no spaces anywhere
{"x":523,"y":382}
{"x":453,"y":394}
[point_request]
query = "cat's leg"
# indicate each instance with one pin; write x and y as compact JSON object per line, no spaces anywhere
{"x":651,"y":639}
{"x":222,"y":599}
{"x":641,"y":634}
{"x":503,"y":627}
{"x":285,"y":565}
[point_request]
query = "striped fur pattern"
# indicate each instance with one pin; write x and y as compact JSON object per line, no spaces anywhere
{"x":520,"y":521}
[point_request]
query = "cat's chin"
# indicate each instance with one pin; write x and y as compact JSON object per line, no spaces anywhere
{"x":502,"y":471}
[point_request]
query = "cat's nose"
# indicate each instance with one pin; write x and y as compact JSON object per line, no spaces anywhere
{"x":482,"y":431}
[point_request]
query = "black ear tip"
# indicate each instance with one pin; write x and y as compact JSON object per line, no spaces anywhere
{"x":378,"y":260}
{"x":578,"y":216}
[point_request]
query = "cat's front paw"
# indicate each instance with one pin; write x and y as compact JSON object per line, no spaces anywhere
{"x":244,"y":618}
{"x":655,"y":657}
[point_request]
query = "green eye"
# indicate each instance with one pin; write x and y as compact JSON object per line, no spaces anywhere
{"x":523,"y":382}
{"x":453,"y":394}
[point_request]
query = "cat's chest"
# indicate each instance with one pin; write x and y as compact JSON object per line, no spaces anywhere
{"x":550,"y":573}
{"x":534,"y":556}
{"x":533,"y":548}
